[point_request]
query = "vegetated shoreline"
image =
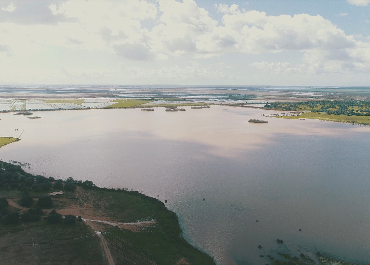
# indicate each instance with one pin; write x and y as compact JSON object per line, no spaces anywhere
{"x":137,"y":229}
{"x":344,"y":111}
{"x":7,"y":140}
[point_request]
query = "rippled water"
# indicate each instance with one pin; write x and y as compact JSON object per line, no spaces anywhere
{"x":218,"y":172}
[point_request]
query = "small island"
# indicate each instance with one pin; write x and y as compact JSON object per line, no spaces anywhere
{"x":257,"y":121}
{"x":7,"y":140}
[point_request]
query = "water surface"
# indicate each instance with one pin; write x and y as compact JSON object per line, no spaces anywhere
{"x":219,"y":173}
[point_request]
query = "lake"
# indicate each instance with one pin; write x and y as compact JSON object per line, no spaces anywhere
{"x":234,"y":185}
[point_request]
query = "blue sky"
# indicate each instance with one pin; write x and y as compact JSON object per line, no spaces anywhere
{"x":187,"y":42}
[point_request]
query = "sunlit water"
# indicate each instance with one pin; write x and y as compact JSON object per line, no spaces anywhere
{"x":218,"y":172}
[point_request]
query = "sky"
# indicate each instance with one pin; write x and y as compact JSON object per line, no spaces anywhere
{"x":185,"y":42}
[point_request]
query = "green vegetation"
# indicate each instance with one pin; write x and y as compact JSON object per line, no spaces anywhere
{"x":65,"y":101}
{"x":45,"y":202}
{"x":128,"y":103}
{"x":26,"y":201}
{"x":146,"y":232}
{"x":7,"y":140}
{"x":39,"y":243}
{"x":364,"y":120}
{"x":350,"y":111}
{"x":54,"y":218}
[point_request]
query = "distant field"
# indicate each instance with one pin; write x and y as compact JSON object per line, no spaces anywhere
{"x":365,"y":120}
{"x":127,"y":103}
{"x":348,"y":111}
{"x":7,"y":140}
{"x":73,"y":101}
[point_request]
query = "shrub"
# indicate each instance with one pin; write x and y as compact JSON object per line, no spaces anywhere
{"x":45,"y":186}
{"x":26,"y":201}
{"x":54,"y":217}
{"x":88,"y":184}
{"x":45,"y":202}
{"x":36,"y":187}
{"x":29,"y":180}
{"x":58,"y":185}
{"x":36,"y":211}
{"x":12,"y":218}
{"x":69,"y":186}
{"x":3,"y":207}
{"x":69,"y":219}
{"x":29,"y":217}
{"x":3,"y":203}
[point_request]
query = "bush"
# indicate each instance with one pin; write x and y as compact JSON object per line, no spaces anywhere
{"x":29,"y":180}
{"x":40,"y":179}
{"x":29,"y":217}
{"x":69,"y":219}
{"x":45,"y":186}
{"x":3,"y":207}
{"x":3,"y":203}
{"x":58,"y":185}
{"x":69,"y":186}
{"x":88,"y":184}
{"x":12,"y":218}
{"x":45,"y":202}
{"x":54,"y":217}
{"x":26,"y":201}
{"x":36,"y":211}
{"x":36,"y":187}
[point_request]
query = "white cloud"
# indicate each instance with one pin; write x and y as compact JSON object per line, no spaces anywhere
{"x":30,"y":12}
{"x":9,"y":8}
{"x":175,"y":73}
{"x":4,"y":48}
{"x":358,"y":2}
{"x":343,"y":14}
{"x":168,"y":30}
{"x":134,"y":51}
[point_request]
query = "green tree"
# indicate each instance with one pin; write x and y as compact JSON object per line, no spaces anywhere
{"x":54,"y":217}
{"x":3,"y":203}
{"x":69,"y":186}
{"x":69,"y":219}
{"x":37,"y":211}
{"x":46,"y":185}
{"x":58,"y":185}
{"x":12,"y":218}
{"x":29,"y":217}
{"x":26,"y":201}
{"x":45,"y":202}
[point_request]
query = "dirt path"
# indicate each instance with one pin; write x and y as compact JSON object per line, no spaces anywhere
{"x":103,"y":242}
{"x":135,"y":227}
{"x":93,"y":219}
{"x":15,"y":205}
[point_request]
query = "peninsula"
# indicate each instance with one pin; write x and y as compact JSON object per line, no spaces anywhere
{"x":44,"y":220}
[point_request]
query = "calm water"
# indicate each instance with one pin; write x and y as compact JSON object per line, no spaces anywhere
{"x":219,"y":173}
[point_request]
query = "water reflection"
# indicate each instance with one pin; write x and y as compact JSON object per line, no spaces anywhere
{"x":218,"y":172}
